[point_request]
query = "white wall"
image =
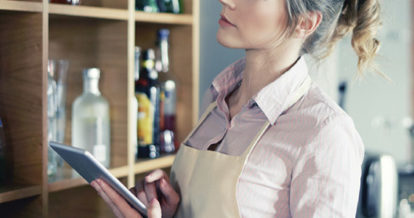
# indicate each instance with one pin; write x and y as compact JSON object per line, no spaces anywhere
{"x":213,"y":57}
{"x":376,"y":105}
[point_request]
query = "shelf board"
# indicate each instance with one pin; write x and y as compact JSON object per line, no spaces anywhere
{"x":143,"y":166}
{"x":164,"y":18}
{"x":21,"y":6}
{"x":65,"y":179}
{"x":87,"y":11}
{"x":16,"y":192}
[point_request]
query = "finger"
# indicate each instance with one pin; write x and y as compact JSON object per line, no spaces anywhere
{"x":139,"y":191}
{"x":143,"y":198}
{"x":150,"y":191}
{"x":119,"y":201}
{"x":171,"y":196}
{"x":154,"y":210}
{"x":108,"y":201}
{"x":156,"y":175}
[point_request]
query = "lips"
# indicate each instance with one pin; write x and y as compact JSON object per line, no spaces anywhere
{"x":226,"y":20}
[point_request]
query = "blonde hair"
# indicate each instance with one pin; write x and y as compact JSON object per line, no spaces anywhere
{"x":340,"y":17}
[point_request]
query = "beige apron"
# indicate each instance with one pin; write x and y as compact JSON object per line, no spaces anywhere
{"x":207,"y":180}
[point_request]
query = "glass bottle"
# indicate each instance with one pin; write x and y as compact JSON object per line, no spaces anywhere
{"x":135,"y":100}
{"x":90,"y":115}
{"x":3,"y":173}
{"x":146,"y":5}
{"x":168,"y":86}
{"x":51,"y":115}
{"x":148,"y":94}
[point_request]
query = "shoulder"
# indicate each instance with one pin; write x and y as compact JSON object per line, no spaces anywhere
{"x":324,"y":126}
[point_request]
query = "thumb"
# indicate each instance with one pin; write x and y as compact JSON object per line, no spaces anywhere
{"x":154,"y":209}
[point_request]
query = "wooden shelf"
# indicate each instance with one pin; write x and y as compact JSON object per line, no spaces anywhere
{"x":87,"y":11}
{"x":164,"y":18}
{"x":99,"y":34}
{"x":143,"y":166}
{"x":21,"y":6}
{"x":66,"y":179}
{"x":14,"y":192}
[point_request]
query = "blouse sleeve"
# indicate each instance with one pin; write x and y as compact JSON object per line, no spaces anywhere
{"x":326,"y":177}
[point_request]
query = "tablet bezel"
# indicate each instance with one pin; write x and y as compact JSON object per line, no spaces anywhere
{"x":90,"y":169}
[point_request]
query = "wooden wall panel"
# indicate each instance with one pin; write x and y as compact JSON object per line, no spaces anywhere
{"x":21,"y":91}
{"x":181,"y":67}
{"x":24,"y":208}
{"x":95,"y":43}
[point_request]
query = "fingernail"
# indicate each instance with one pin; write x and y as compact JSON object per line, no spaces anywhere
{"x":153,"y":202}
{"x":163,"y":182}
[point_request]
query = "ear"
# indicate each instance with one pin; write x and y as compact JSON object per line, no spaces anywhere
{"x":308,"y":24}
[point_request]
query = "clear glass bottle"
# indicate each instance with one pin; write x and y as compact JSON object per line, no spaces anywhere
{"x":134,"y":102}
{"x":90,"y":116}
{"x":52,"y":124}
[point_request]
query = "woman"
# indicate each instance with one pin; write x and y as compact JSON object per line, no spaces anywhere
{"x":270,"y":143}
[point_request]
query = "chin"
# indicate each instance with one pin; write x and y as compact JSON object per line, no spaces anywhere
{"x":226,"y":41}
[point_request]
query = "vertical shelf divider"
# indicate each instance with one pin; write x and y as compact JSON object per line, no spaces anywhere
{"x":45,"y":57}
{"x":131,"y":91}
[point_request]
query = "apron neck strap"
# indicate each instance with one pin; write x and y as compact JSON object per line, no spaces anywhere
{"x":202,"y":118}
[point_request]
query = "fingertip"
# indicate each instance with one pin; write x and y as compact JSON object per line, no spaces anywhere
{"x":154,"y":203}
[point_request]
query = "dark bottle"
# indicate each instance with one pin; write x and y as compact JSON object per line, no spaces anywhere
{"x":147,"y":91}
{"x":168,"y":94}
{"x":169,"y":6}
{"x":2,"y":154}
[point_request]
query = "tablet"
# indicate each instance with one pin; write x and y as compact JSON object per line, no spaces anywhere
{"x":90,"y":169}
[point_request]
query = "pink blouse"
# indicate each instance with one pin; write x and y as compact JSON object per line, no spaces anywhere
{"x":307,"y":164}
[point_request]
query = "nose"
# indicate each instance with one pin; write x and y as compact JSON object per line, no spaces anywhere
{"x":228,"y":3}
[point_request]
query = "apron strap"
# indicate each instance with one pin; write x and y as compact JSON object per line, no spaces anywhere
{"x":202,"y":118}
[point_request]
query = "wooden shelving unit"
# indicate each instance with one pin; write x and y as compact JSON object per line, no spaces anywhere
{"x":99,"y":34}
{"x":26,"y":6}
{"x":88,"y":11}
{"x":15,"y":192}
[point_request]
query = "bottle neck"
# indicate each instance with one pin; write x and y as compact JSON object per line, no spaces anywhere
{"x":150,"y":72}
{"x":164,"y":55}
{"x":91,"y":86}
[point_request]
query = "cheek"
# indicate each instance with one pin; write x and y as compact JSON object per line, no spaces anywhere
{"x":263,"y":24}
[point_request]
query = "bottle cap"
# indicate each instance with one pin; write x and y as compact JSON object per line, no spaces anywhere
{"x":148,"y":54}
{"x":137,"y":49}
{"x":92,"y":73}
{"x":163,"y":33}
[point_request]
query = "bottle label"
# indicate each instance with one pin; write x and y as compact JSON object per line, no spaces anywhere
{"x":145,"y":120}
{"x":99,"y":152}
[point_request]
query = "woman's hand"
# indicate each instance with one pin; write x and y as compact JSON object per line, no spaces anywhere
{"x":154,"y":191}
{"x":157,"y":185}
{"x":118,"y":204}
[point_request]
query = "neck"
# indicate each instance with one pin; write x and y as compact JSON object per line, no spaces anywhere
{"x":263,"y":67}
{"x":91,"y":86}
